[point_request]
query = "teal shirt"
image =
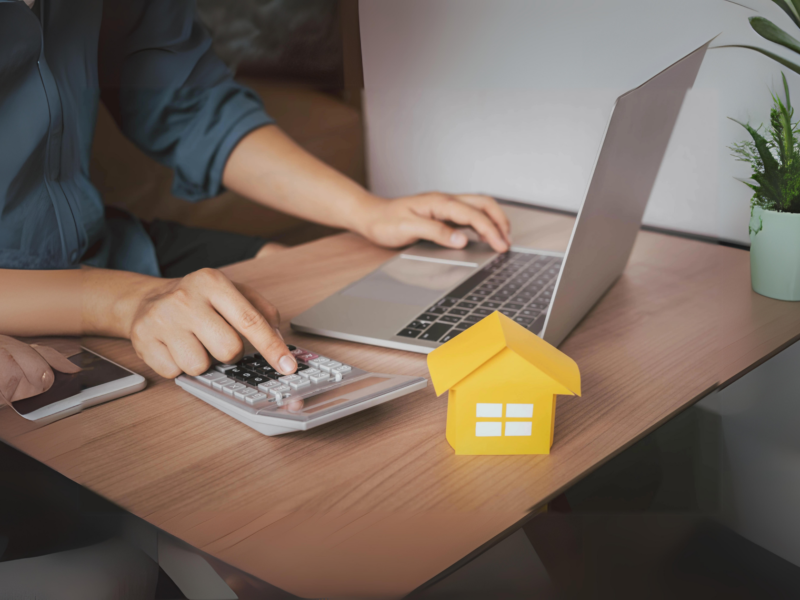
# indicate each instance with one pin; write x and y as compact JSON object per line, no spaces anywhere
{"x":151,"y":63}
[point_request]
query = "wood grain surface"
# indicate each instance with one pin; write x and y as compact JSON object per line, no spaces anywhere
{"x":377,"y":504}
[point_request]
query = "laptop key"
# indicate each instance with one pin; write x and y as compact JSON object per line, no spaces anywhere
{"x":437,"y":310}
{"x":529,"y":312}
{"x":474,"y":298}
{"x":469,"y":305}
{"x":449,"y":337}
{"x":410,"y":333}
{"x":537,"y":325}
{"x":492,"y":305}
{"x":449,"y":319}
{"x":459,"y":312}
{"x":434,"y":332}
{"x":508,"y":313}
{"x":483,"y":312}
{"x":418,"y":325}
{"x":472,"y":319}
{"x":447,"y":302}
{"x":512,"y":306}
{"x":426,"y":317}
{"x":524,"y":320}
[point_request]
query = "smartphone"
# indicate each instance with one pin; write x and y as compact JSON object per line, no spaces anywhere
{"x":100,"y":380}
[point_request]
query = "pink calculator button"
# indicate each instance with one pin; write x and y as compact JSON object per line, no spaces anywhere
{"x":299,"y":352}
{"x":308,"y":356}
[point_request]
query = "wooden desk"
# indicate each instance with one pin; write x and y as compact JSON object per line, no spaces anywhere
{"x":377,"y":504}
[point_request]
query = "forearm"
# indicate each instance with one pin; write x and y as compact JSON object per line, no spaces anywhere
{"x":71,"y":302}
{"x":271,"y":169}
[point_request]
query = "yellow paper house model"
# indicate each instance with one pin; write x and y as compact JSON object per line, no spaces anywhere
{"x":503,"y":382}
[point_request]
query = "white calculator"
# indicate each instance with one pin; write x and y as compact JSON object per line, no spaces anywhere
{"x":322,"y":390}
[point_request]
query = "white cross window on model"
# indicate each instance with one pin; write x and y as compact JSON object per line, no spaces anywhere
{"x":495,"y":411}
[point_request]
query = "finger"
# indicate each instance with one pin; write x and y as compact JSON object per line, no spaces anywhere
{"x":10,"y":376}
{"x":464,"y":214}
{"x":492,"y":208}
{"x":188,"y":353}
{"x":218,"y":337}
{"x":56,"y":360}
{"x":254,"y":326}
{"x":435,"y":231}
{"x":38,"y":376}
{"x":156,"y":354}
{"x":262,"y":305}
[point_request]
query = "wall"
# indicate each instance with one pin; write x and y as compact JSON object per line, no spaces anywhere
{"x":511,"y":98}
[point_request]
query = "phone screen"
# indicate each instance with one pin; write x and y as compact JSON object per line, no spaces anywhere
{"x":96,"y":371}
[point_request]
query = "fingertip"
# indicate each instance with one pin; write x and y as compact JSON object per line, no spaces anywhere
{"x":500,"y":246}
{"x":458,"y":239}
{"x":287,"y":364}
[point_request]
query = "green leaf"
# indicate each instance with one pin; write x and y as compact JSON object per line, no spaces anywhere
{"x":786,"y":63}
{"x":770,"y":179}
{"x":786,"y":91}
{"x":791,"y":8}
{"x":768,"y":30}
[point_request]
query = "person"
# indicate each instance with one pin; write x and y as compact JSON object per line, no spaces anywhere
{"x":69,"y":267}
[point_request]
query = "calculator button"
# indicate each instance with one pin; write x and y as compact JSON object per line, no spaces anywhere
{"x":298,"y":384}
{"x":232,"y":389}
{"x":319,"y":378}
{"x":221,"y":383}
{"x":298,"y":352}
{"x":309,"y":372}
{"x":289,"y":378}
{"x":342,"y":369}
{"x":331,"y":364}
{"x":277,"y":392}
{"x":224,"y":368}
{"x":242,"y":394}
{"x":207,"y":378}
{"x":255,"y":398}
{"x":265,"y":387}
{"x":315,"y":362}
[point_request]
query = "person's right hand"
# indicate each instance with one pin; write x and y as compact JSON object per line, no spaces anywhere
{"x":27,"y":370}
{"x":179,"y":324}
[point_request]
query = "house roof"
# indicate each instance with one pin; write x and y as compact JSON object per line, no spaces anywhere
{"x":453,"y":361}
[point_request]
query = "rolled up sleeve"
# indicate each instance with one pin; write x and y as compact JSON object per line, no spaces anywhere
{"x":178,"y":101}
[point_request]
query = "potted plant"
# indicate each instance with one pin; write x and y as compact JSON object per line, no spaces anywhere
{"x":775,"y":206}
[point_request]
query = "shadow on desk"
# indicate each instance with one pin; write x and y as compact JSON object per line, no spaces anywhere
{"x":654,"y":522}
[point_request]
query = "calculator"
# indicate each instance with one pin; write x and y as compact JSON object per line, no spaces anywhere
{"x":320,"y":391}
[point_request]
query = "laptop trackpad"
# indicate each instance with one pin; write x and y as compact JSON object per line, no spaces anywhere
{"x":408,"y":281}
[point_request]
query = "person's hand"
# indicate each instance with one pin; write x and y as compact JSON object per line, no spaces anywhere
{"x":179,"y":324}
{"x":27,"y":370}
{"x":403,"y":221}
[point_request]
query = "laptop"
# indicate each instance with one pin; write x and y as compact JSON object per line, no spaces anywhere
{"x":427,"y":294}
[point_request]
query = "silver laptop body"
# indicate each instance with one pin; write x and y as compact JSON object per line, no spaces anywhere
{"x":428,"y":294}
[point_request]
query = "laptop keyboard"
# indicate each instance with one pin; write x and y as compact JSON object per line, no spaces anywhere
{"x":517,"y":284}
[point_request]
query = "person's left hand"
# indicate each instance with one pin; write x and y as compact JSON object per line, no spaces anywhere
{"x":403,"y":221}
{"x":27,"y":370}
